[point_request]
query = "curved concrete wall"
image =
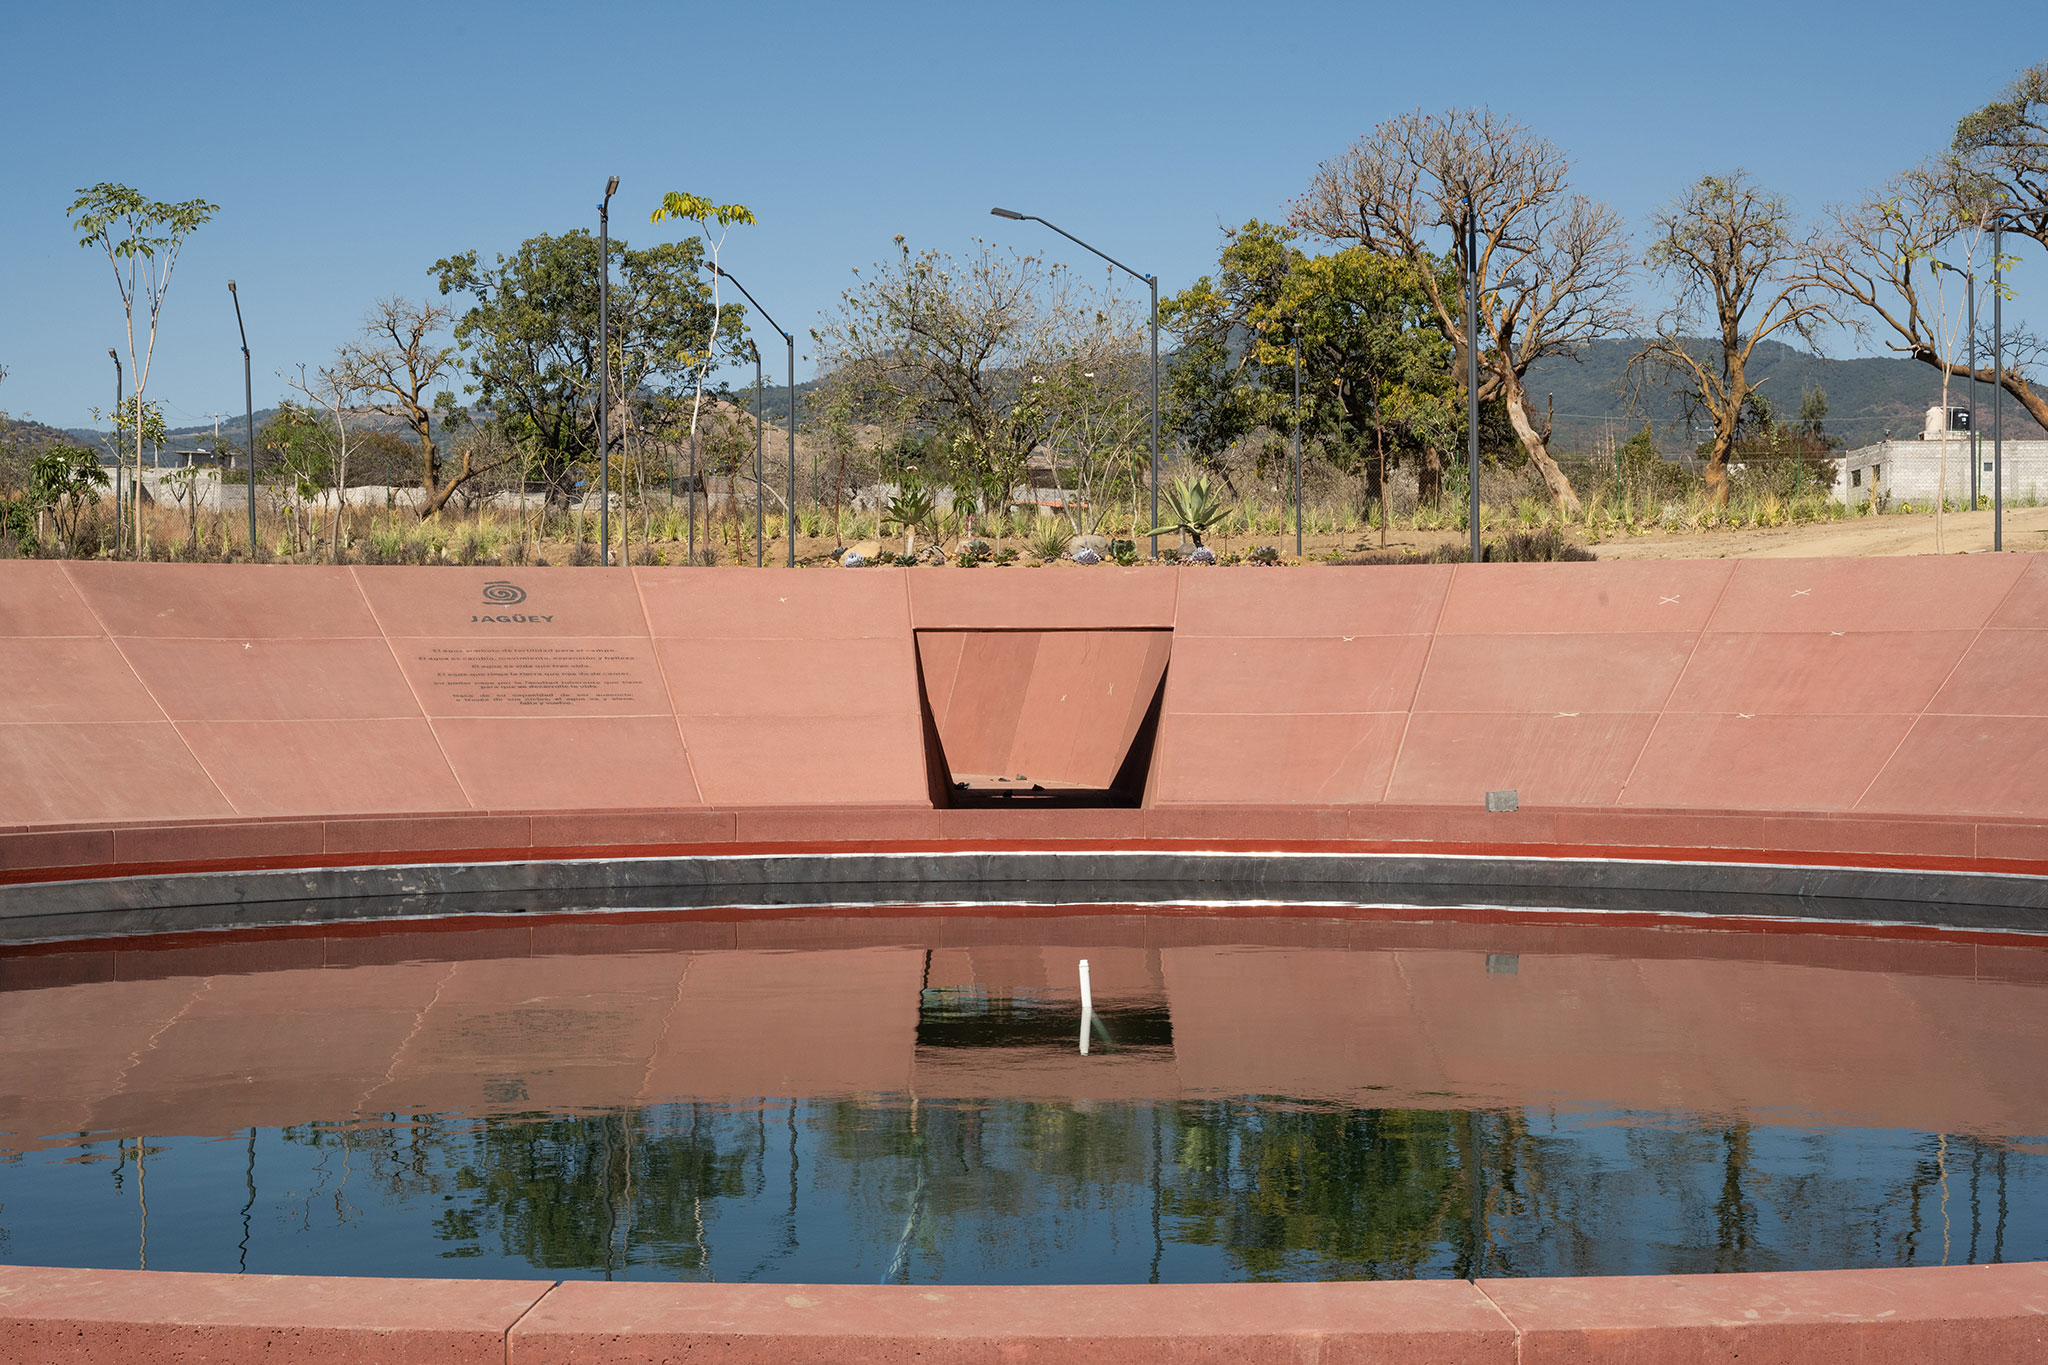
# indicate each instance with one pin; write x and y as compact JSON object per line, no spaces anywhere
{"x":175,"y":693}
{"x":1875,"y":712}
{"x":1973,"y":1313}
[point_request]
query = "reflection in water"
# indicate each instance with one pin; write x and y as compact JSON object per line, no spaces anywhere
{"x":913,"y":1110}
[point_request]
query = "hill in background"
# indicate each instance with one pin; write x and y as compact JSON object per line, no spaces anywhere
{"x":1869,"y":399}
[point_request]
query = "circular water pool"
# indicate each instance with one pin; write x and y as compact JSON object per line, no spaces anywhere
{"x":922,"y":1097}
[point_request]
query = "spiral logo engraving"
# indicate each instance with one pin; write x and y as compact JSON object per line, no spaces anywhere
{"x":502,"y":594}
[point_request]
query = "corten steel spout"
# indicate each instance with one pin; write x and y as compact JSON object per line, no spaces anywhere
{"x":604,"y":373}
{"x":248,"y":413}
{"x":1153,"y":282}
{"x":789,"y":342}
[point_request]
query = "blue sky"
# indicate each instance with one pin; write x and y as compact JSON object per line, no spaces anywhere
{"x":351,"y":146}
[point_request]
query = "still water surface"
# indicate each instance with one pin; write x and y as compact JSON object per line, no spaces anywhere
{"x":867,"y":1100}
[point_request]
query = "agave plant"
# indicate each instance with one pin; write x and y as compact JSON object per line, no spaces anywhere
{"x":1192,"y":510}
{"x":911,"y":508}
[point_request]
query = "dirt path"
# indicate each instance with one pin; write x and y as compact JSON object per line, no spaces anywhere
{"x":2026,"y":528}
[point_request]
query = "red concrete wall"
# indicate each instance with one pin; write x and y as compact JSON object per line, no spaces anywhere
{"x":193,"y":692}
{"x":1974,"y":1313}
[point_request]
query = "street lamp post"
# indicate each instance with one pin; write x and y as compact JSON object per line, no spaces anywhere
{"x":760,"y":437}
{"x":1970,"y":398}
{"x":1153,"y":282}
{"x":1472,"y":362}
{"x":1297,"y":442}
{"x":1997,"y":387}
{"x":1472,"y":372}
{"x":604,"y":373}
{"x":789,"y":344}
{"x":248,"y":413}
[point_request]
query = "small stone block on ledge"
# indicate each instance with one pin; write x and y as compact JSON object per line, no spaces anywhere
{"x":1501,"y":802}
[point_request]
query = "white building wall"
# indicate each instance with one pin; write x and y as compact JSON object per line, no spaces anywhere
{"x":1910,"y":471}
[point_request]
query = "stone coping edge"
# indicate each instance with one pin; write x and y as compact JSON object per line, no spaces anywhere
{"x":260,"y":898}
{"x":59,"y":1316}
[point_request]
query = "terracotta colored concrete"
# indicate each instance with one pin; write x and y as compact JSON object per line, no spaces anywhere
{"x":1953,"y":592}
{"x":1969,"y":762}
{"x":1107,"y":599}
{"x":175,"y":692}
{"x":41,"y":601}
{"x":222,"y":601}
{"x":1979,"y":1313}
{"x":1999,"y":676}
{"x":70,"y":678}
{"x":1958,"y":1313}
{"x":1054,"y":706}
{"x":311,"y":767}
{"x":519,"y":763}
{"x":69,"y":771}
{"x":129,"y":1317}
{"x":1440,"y":1321}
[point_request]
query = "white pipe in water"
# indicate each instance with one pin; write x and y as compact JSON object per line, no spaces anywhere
{"x":1087,"y":1007}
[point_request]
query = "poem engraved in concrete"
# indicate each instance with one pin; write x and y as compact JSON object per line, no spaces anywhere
{"x":538,"y":676}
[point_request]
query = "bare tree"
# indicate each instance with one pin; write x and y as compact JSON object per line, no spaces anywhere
{"x":1879,"y":255}
{"x":1409,"y":182}
{"x":395,"y":365}
{"x":1736,"y":260}
{"x":951,"y":345}
{"x":332,"y":388}
{"x":2002,"y":153}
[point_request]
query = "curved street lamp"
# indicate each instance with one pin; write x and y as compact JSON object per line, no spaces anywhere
{"x":1151,"y":280}
{"x":789,"y":341}
{"x":248,"y":412}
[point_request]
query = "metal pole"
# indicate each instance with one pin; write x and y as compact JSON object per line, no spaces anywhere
{"x":760,"y":439}
{"x":1472,"y":368}
{"x":1153,"y":280}
{"x":1297,"y":443}
{"x":115,"y":357}
{"x":789,"y":340}
{"x":248,"y":413}
{"x":1997,"y":389}
{"x":604,"y":374}
{"x":1975,"y":461}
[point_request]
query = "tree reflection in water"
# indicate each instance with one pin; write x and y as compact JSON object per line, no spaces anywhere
{"x":1247,"y":1188}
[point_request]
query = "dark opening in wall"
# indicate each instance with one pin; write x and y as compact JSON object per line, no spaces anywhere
{"x":1041,"y":717}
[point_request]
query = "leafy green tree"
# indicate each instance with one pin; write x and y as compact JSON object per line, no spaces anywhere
{"x":679,"y":206}
{"x":530,"y":339}
{"x":1376,"y":373}
{"x":142,"y":239}
{"x":2002,"y":154}
{"x":63,"y":481}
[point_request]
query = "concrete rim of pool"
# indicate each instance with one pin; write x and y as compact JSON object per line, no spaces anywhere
{"x":215,"y":746}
